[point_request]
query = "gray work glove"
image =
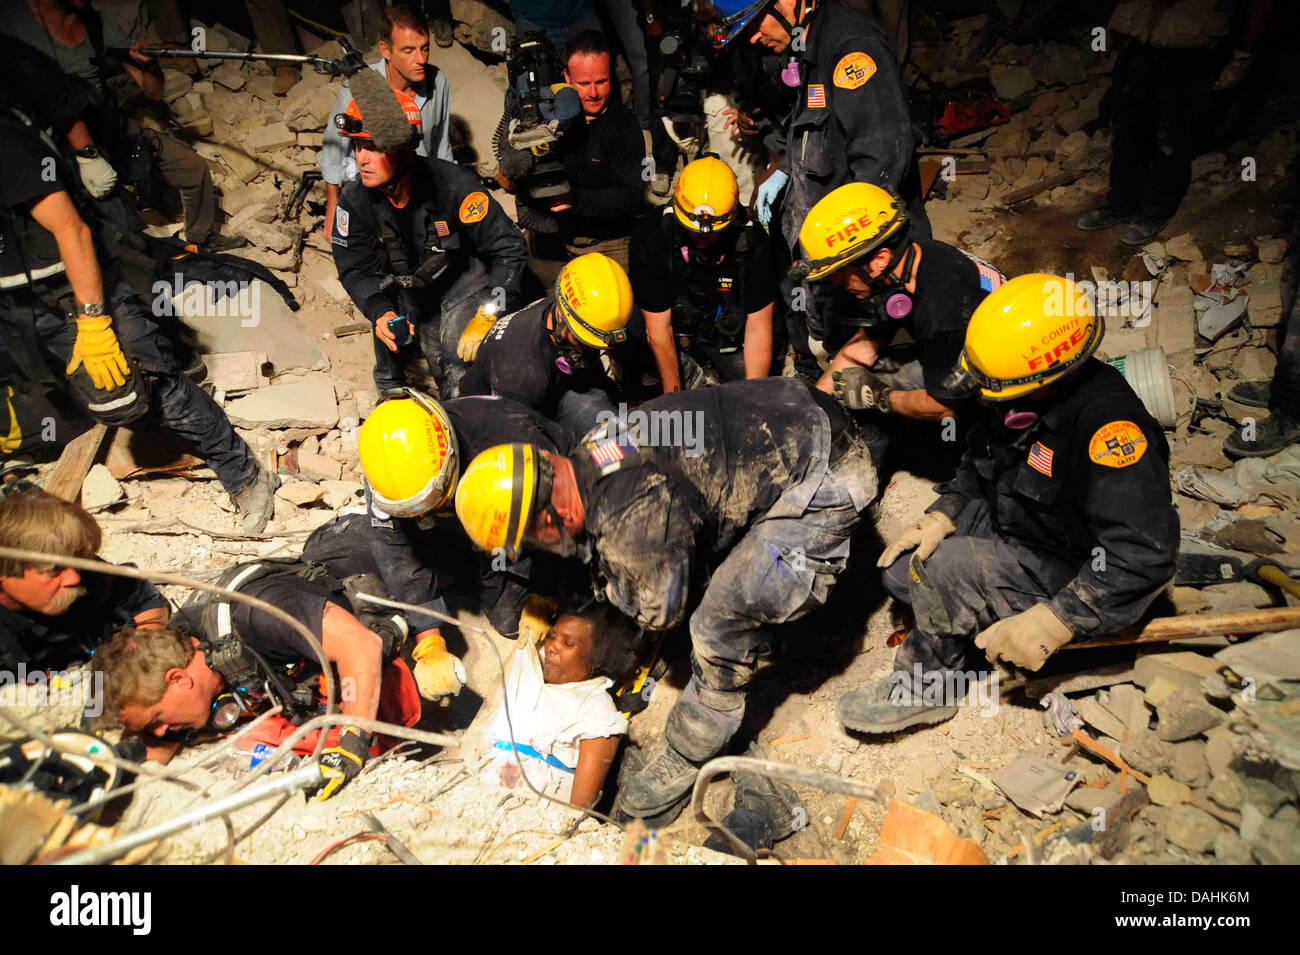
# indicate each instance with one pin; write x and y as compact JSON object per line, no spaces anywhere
{"x":856,"y":387}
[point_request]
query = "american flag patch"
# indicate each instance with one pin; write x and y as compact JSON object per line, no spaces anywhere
{"x":990,"y":278}
{"x":1040,"y":458}
{"x":607,"y":455}
{"x":440,"y":227}
{"x":816,"y":96}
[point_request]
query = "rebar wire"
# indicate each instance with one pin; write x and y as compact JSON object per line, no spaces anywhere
{"x":505,"y":701}
{"x":111,"y":757}
{"x":877,"y":792}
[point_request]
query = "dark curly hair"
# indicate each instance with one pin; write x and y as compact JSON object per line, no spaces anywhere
{"x":615,"y":641}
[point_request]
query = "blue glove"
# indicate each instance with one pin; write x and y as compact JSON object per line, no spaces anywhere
{"x":767,"y":194}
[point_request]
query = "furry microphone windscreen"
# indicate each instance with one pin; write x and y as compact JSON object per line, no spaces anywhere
{"x":381,"y":113}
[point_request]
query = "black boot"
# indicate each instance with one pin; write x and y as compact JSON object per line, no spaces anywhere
{"x":880,"y":708}
{"x":1253,"y":394}
{"x":1271,"y":435}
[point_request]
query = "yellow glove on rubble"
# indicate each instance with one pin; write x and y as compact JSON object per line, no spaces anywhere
{"x":438,"y":673}
{"x":924,"y":535}
{"x":474,"y":333}
{"x":97,"y":348}
{"x":1026,"y":639}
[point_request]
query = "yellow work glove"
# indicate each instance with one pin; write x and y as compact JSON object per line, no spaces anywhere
{"x":536,"y":620}
{"x":1025,"y":640}
{"x":97,"y":348}
{"x":474,"y":334}
{"x":924,"y":535}
{"x":343,"y":761}
{"x":437,"y":672}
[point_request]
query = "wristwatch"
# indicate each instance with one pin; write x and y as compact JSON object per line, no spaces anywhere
{"x":89,"y":152}
{"x":91,"y":309}
{"x":883,"y":403}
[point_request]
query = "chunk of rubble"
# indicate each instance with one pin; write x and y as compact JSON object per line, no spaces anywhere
{"x":302,"y":404}
{"x":100,"y":489}
{"x":1185,"y":714}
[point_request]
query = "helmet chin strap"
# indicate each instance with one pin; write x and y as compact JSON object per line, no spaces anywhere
{"x":801,"y":14}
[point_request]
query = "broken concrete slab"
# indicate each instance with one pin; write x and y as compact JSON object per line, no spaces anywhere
{"x":175,"y":85}
{"x":1192,"y":829}
{"x":300,"y":493}
{"x":1159,"y":691}
{"x":1189,"y":763}
{"x":255,"y":319}
{"x":1125,"y":701}
{"x":235,"y":372}
{"x":1231,"y":849}
{"x":1166,"y":791}
{"x":1220,"y":749}
{"x":1012,"y":81}
{"x":264,"y":235}
{"x":302,"y":404}
{"x":237,"y":199}
{"x":1226,"y":790}
{"x":100,"y":489}
{"x":340,"y":494}
{"x":1180,"y":667}
{"x":317,"y":467}
{"x":230,"y":76}
{"x":308,"y":110}
{"x":1101,"y":719}
{"x":1147,"y":753}
{"x":271,"y":137}
{"x":1185,"y":714}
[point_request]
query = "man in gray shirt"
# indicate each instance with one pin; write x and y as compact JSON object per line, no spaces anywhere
{"x":404,"y":45}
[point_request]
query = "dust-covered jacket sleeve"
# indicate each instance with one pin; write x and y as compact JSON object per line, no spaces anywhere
{"x":646,"y":550}
{"x":359,"y":255}
{"x":874,"y":116}
{"x":497,"y":240}
{"x":956,"y":492}
{"x":1135,"y":530}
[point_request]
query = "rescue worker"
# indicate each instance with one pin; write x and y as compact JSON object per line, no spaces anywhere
{"x":1058,"y":524}
{"x":421,"y":247}
{"x":859,"y":240}
{"x":404,"y":63}
{"x":199,"y":671}
{"x":52,"y":616}
{"x":703,"y":277}
{"x":602,"y":158}
{"x":762,"y":484}
{"x":850,"y":123}
{"x":549,"y":356}
{"x":412,"y":451}
{"x":69,"y":312}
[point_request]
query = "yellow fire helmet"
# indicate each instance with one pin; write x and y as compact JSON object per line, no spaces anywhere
{"x":705,"y":199}
{"x":1029,"y":332}
{"x":408,"y":454}
{"x":501,"y":491}
{"x":594,"y":297}
{"x":846,"y":224}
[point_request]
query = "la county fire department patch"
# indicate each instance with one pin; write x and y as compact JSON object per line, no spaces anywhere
{"x":1117,"y":445}
{"x":854,"y":70}
{"x":474,"y":208}
{"x":341,"y":221}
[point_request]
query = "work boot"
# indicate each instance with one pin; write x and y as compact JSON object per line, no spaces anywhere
{"x":1143,"y":230}
{"x":1254,"y":394}
{"x":871,"y":709}
{"x":765,"y":810}
{"x":660,"y":790}
{"x":1103,"y":218}
{"x":256,"y":502}
{"x":442,"y":34}
{"x":286,"y":78}
{"x":1272,"y":434}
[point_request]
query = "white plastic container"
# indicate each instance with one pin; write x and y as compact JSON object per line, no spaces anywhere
{"x":1147,"y":373}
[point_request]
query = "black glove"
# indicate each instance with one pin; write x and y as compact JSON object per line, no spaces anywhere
{"x":343,"y":761}
{"x":857,"y":388}
{"x":390,"y":627}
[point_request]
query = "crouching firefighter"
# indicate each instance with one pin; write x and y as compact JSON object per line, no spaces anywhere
{"x":425,"y":252}
{"x":743,"y":526}
{"x":221,"y":661}
{"x":1057,"y":525}
{"x":412,"y":449}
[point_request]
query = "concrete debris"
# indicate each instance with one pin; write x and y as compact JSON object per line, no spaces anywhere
{"x":317,"y":467}
{"x":300,"y":493}
{"x":235,"y":372}
{"x":1192,"y":829}
{"x":266,"y":138}
{"x":1185,"y":714}
{"x":1165,"y":791}
{"x":100,"y":489}
{"x":296,"y":405}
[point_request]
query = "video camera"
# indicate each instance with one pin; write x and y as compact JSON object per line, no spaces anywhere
{"x":538,"y":108}
{"x":687,"y":60}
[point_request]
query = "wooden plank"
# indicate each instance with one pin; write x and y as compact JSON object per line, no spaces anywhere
{"x":849,"y":806}
{"x":1028,"y":192}
{"x":74,"y":463}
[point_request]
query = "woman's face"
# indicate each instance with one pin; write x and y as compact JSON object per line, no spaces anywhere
{"x":566,"y":650}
